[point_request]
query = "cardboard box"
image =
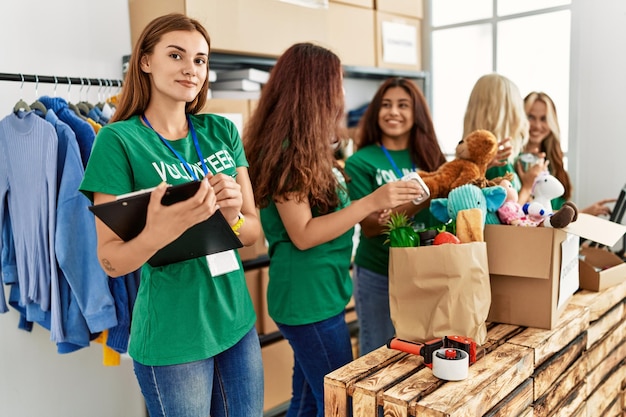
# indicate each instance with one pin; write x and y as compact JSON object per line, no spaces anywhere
{"x":368,"y":4}
{"x":233,"y":109}
{"x":259,"y":248}
{"x":534,"y":271}
{"x":398,"y":42}
{"x":253,"y":282}
{"x":269,"y":326}
{"x":413,"y":8}
{"x":600,"y":269}
{"x":277,"y":369}
{"x":351,"y":34}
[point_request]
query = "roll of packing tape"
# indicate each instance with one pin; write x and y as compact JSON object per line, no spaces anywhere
{"x":450,"y":364}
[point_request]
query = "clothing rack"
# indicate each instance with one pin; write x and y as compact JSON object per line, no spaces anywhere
{"x":53,"y":79}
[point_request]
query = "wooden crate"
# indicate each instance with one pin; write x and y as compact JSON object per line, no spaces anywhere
{"x":576,"y":369}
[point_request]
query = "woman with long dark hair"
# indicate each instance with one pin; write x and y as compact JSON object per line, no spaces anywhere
{"x":395,"y":137}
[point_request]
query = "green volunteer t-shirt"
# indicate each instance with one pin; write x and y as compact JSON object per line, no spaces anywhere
{"x":368,"y":169}
{"x":182,"y":313}
{"x":307,"y":286}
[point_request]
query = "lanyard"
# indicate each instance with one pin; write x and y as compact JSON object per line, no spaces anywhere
{"x":393,"y":164}
{"x":180,"y":158}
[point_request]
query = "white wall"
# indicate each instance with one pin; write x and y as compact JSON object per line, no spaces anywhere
{"x":598,"y":99}
{"x":77,"y":38}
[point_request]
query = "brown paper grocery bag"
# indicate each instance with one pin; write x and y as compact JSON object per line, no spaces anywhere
{"x":441,"y":290}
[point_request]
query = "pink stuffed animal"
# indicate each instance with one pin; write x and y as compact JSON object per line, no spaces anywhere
{"x":511,"y":212}
{"x":538,"y":212}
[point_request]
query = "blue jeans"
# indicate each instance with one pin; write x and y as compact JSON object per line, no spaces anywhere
{"x":319,"y":348}
{"x":227,"y":385}
{"x":371,"y":300}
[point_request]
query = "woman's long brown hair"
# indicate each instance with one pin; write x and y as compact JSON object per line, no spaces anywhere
{"x":288,"y":138}
{"x":136,"y":91}
{"x":423,"y":145}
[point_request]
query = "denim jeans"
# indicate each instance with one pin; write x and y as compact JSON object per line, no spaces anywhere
{"x":371,"y":300}
{"x":319,"y":348}
{"x":227,"y":385}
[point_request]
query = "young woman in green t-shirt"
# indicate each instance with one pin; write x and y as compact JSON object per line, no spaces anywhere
{"x":395,"y":136}
{"x":545,"y":138}
{"x":193,"y":341}
{"x":306,"y":214}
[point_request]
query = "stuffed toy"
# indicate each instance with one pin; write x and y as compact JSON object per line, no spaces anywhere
{"x":538,"y":212}
{"x":545,"y":188}
{"x":468,"y":205}
{"x":512,"y":212}
{"x":473,"y":154}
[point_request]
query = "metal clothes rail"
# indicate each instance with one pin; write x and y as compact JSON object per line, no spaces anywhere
{"x":53,"y":79}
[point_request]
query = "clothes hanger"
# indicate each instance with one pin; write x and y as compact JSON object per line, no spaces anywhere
{"x":82,"y":105}
{"x":71,"y":105}
{"x":38,"y":105}
{"x":21,"y":105}
{"x":100,"y":99}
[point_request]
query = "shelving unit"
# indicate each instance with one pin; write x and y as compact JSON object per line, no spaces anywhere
{"x":227,"y":61}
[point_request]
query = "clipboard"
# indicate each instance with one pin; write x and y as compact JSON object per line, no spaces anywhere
{"x":126,"y":216}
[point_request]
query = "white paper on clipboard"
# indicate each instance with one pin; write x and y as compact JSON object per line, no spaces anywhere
{"x":399,"y":43}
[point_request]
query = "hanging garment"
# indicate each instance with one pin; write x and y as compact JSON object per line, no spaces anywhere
{"x":85,"y":135}
{"x":80,"y":300}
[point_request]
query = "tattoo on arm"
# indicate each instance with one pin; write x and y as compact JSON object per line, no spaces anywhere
{"x":107,"y":265}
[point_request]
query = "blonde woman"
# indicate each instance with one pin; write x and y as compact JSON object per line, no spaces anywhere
{"x":545,"y":138}
{"x":495,"y":104}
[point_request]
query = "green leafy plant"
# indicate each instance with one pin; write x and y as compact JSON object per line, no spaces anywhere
{"x":400,"y":231}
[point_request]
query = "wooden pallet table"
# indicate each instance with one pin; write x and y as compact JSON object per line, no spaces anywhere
{"x":576,"y":369}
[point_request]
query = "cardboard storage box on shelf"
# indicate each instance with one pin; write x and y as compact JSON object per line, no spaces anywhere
{"x":600,"y":269}
{"x":253,"y":282}
{"x":368,"y":4}
{"x":259,"y":248}
{"x":356,"y":45}
{"x":413,"y":8}
{"x":238,"y":111}
{"x":269,"y":326}
{"x":534,"y":270}
{"x":277,"y":370}
{"x":398,"y":42}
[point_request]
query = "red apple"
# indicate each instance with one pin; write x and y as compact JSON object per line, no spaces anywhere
{"x":445,"y":237}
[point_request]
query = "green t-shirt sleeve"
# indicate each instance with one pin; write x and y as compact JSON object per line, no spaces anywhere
{"x":361,"y":183}
{"x":108,"y":157}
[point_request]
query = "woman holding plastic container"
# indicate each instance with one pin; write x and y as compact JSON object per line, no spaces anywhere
{"x":193,"y":340}
{"x":545,"y":139}
{"x":307,"y":216}
{"x":395,"y":137}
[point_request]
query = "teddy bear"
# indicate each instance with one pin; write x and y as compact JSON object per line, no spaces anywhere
{"x":472,"y":156}
{"x":468,"y":205}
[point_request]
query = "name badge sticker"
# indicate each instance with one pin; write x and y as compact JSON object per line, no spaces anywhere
{"x":222,"y":263}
